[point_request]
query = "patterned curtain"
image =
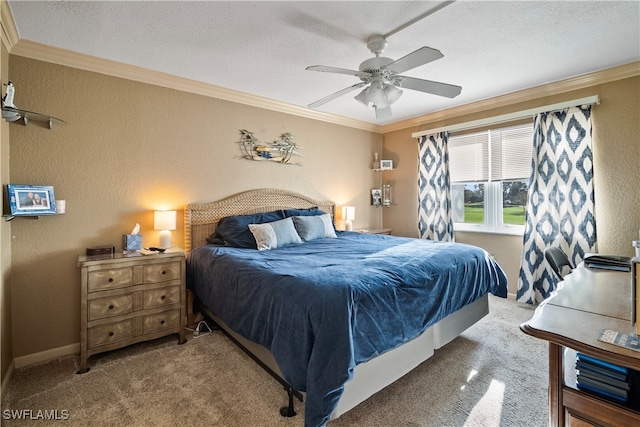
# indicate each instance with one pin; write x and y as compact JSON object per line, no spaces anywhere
{"x":434,"y":212}
{"x":560,"y":208}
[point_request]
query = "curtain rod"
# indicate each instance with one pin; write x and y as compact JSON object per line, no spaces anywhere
{"x":589,"y":100}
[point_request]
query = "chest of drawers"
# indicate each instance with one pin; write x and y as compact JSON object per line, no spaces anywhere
{"x":130,"y":299}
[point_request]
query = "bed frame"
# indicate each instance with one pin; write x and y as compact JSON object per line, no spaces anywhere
{"x":370,"y":377}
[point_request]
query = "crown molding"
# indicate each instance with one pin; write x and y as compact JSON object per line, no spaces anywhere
{"x":562,"y":86}
{"x":64,"y":57}
{"x":8,"y":26}
{"x":85,"y":62}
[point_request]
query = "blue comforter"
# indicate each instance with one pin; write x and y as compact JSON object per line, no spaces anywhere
{"x":326,"y":305}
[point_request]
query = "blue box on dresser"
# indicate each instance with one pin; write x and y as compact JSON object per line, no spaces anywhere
{"x":132,"y":242}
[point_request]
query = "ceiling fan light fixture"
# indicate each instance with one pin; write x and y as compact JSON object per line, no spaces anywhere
{"x":392,"y":93}
{"x":362,"y":97}
{"x":372,"y":95}
{"x":377,"y":95}
{"x":383,"y":79}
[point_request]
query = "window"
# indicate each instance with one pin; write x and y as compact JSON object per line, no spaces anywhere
{"x":490,"y":173}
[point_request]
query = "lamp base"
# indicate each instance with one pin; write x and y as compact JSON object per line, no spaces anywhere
{"x":165,"y":239}
{"x":348,"y":225}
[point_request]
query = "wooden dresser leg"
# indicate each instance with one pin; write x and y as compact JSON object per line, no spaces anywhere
{"x":556,"y":380}
{"x":84,"y":363}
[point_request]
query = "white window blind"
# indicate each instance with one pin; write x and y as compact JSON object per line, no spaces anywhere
{"x":493,"y":155}
{"x":511,"y":150}
{"x":469,"y":157}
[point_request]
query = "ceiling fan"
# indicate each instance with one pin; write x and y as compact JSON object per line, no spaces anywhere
{"x":383,"y":80}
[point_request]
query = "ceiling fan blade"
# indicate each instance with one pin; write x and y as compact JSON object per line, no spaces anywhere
{"x":419,"y":18}
{"x":415,"y":59}
{"x":428,"y":86}
{"x":336,"y":95}
{"x":327,"y":69}
{"x":383,"y":113}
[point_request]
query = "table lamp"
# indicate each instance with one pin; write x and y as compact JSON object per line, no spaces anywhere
{"x":348,"y":215}
{"x":165,"y":221}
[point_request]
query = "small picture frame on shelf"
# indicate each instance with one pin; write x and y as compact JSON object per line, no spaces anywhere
{"x":31,"y":200}
{"x":386,"y":165}
{"x":376,"y":197}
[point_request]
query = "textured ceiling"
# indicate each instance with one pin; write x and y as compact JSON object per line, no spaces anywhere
{"x":262,"y":48}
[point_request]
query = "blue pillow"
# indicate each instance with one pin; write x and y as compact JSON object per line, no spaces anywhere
{"x":276,"y":234}
{"x":314,"y":227}
{"x":303,"y":212}
{"x":234,"y":230}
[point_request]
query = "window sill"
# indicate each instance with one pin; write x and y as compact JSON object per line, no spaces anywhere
{"x":508,"y":231}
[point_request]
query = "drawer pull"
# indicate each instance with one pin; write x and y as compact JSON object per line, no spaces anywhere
{"x":110,"y":280}
{"x":111,"y":334}
{"x":164,"y":272}
{"x":163,"y":297}
{"x":111,"y":307}
{"x":162,"y":322}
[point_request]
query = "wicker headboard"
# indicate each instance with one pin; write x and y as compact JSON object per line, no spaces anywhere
{"x":201,"y":219}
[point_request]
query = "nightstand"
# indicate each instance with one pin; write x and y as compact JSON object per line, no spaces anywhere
{"x":374,"y":230}
{"x":126,"y":299}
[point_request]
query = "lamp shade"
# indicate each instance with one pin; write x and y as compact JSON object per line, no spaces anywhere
{"x":164,"y":220}
{"x":392,"y":93}
{"x":362,"y":97}
{"x":348,"y":215}
{"x":376,"y":95}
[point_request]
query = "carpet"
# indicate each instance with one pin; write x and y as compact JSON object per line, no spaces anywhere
{"x":492,"y":375}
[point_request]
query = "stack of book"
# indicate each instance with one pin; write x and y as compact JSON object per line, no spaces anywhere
{"x":603,"y":378}
{"x":608,"y":262}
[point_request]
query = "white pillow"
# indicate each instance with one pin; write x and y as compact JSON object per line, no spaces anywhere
{"x":314,"y":227}
{"x":276,"y":234}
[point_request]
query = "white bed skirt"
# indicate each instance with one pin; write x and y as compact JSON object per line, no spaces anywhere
{"x":377,"y":373}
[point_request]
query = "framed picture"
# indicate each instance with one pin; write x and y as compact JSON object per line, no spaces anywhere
{"x":31,"y":200}
{"x":376,"y":197}
{"x":386,"y":164}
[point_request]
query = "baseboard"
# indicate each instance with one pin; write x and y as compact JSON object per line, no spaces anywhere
{"x":42,"y":356}
{"x":6,"y":379}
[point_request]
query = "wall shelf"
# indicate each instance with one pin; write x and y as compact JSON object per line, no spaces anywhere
{"x":18,"y":114}
{"x":10,"y":217}
{"x":382,"y":191}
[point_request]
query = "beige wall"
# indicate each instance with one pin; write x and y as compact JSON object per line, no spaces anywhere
{"x":616,"y":155}
{"x":129,"y":148}
{"x":6,"y":345}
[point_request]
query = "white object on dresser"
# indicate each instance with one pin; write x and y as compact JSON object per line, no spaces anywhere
{"x":130,"y":299}
{"x":165,"y":221}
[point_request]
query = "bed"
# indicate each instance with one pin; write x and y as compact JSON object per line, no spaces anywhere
{"x":334,"y":316}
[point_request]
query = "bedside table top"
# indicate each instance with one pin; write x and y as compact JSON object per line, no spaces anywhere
{"x":119,"y":256}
